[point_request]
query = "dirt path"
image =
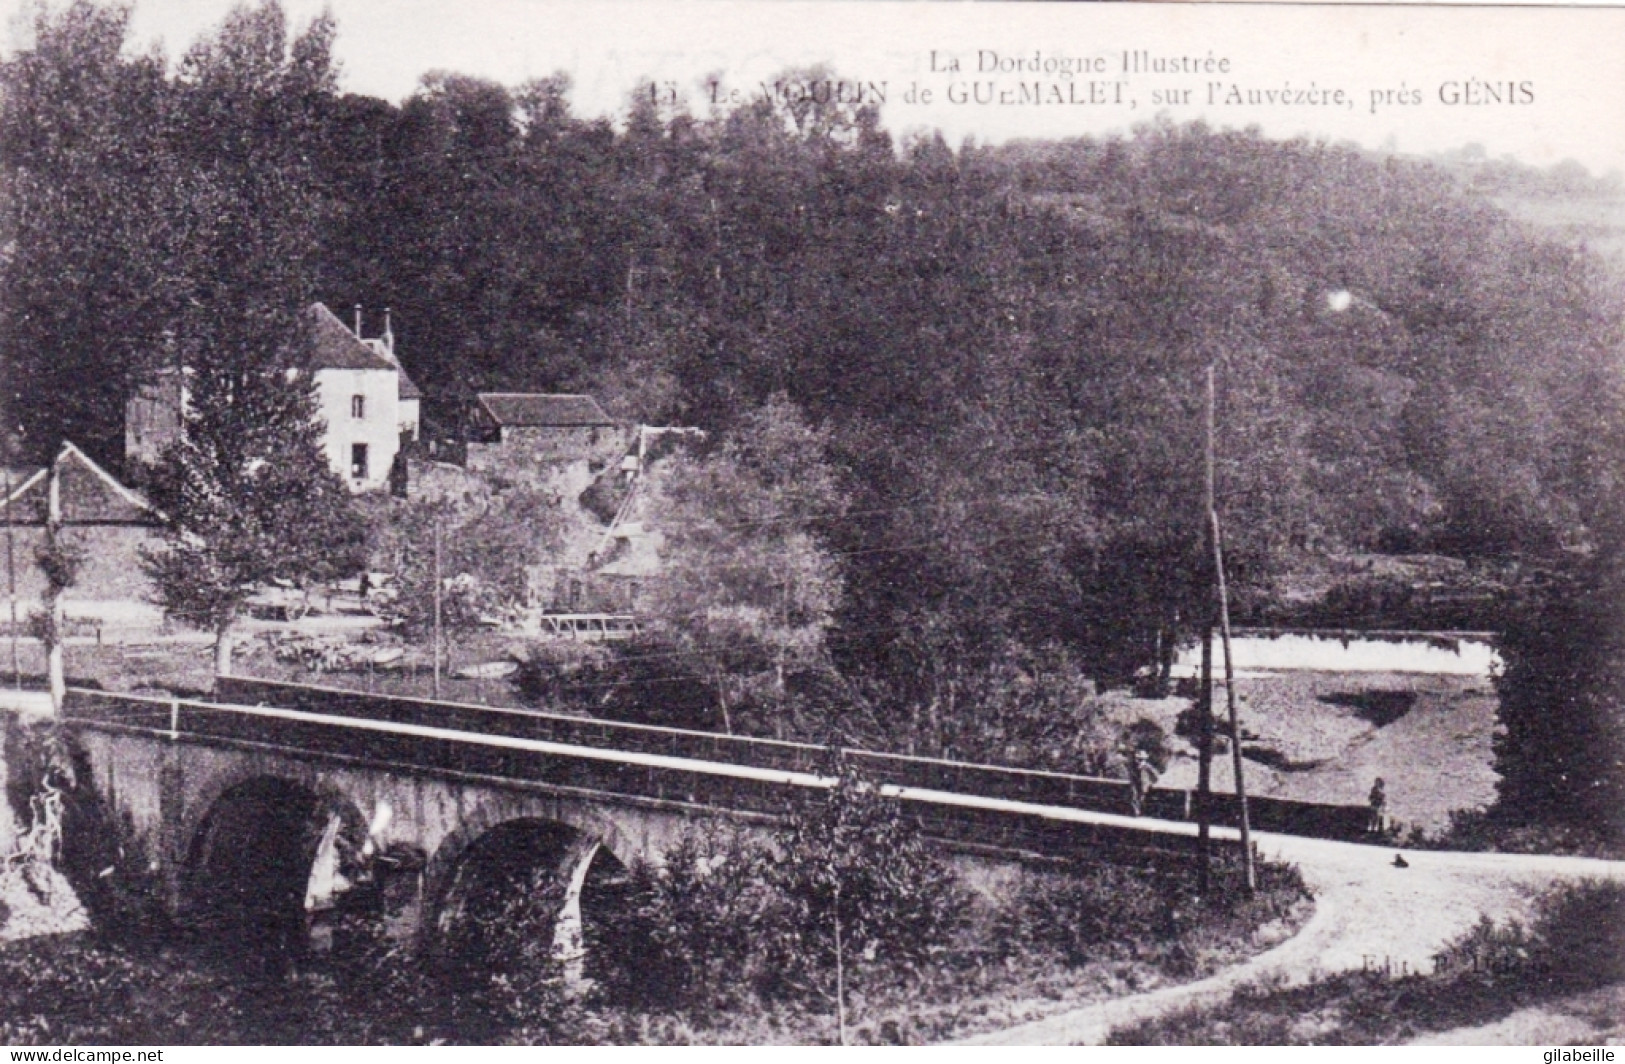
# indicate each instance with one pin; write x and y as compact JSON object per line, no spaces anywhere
{"x":1367,"y":912}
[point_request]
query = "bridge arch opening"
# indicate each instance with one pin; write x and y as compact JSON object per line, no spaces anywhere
{"x":269,"y":859}
{"x":523,"y":899}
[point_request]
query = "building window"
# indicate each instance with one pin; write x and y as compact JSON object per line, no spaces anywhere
{"x":358,"y":406}
{"x":358,"y":461}
{"x":575,"y":594}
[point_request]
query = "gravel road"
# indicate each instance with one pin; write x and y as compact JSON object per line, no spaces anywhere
{"x":1366,"y":912}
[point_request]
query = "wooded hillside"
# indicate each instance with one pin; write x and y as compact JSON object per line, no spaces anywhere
{"x":1001,"y":347}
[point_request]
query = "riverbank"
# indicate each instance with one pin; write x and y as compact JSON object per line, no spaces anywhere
{"x":79,"y":988}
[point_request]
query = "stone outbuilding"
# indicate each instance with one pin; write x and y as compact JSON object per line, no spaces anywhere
{"x":108,"y":521}
{"x":515,"y":433}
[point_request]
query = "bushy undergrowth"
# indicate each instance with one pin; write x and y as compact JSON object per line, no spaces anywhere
{"x":730,"y":938}
{"x":1107,"y":912}
{"x":720,"y":942}
{"x":849,"y":886}
{"x":1488,"y":830}
{"x":1576,"y":942}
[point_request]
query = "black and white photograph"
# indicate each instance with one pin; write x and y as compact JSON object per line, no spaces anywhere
{"x":811,"y":522}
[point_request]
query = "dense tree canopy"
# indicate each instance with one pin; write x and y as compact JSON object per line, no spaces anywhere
{"x":1003,"y":346}
{"x":748,"y":590}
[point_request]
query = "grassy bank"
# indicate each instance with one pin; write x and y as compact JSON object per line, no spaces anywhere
{"x":1575,"y":943}
{"x":1127,"y":933}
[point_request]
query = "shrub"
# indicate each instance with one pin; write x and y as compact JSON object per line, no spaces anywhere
{"x":1580,"y":932}
{"x":856,"y":878}
{"x":1562,"y":701}
{"x":501,"y":973}
{"x":689,"y":933}
{"x":1496,"y":831}
{"x":643,"y":680}
{"x":1105,"y":912}
{"x":723,"y":918}
{"x":1098,"y":912}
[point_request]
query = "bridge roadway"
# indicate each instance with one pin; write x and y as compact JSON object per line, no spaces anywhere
{"x":202,"y":802}
{"x":1014,"y":819}
{"x":1050,"y":789}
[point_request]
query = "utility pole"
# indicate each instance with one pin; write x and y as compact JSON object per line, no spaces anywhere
{"x":1230,"y":697}
{"x":1204,"y":701}
{"x":437,"y":606}
{"x":11,"y":584}
{"x":53,"y":540}
{"x":840,"y":969}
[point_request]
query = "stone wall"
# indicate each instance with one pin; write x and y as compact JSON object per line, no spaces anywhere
{"x":523,"y":451}
{"x":111,"y":582}
{"x":442,"y":481}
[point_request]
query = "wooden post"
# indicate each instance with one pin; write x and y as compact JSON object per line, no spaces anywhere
{"x":1204,"y":765}
{"x":11,"y":584}
{"x":53,"y":650}
{"x":840,"y":971}
{"x":1230,"y":698}
{"x":436,"y":650}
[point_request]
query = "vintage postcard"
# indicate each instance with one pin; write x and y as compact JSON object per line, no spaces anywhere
{"x":824,"y":523}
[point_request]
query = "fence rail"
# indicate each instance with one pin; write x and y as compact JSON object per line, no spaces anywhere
{"x":1313,"y":819}
{"x":959,"y":818}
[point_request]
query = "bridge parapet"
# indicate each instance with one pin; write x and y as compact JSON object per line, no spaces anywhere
{"x":963,"y":820}
{"x":1315,"y":819}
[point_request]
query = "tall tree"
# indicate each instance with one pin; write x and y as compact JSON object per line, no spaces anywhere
{"x":246,"y":490}
{"x":1561,"y":746}
{"x":87,"y":201}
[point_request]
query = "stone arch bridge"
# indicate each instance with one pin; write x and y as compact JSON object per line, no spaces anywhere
{"x":291,"y":789}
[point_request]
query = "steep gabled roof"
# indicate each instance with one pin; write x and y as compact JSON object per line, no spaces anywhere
{"x":90,"y":495}
{"x":334,"y":346}
{"x":516,"y":409}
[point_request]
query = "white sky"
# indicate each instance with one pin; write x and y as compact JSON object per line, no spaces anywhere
{"x":1573,"y":60}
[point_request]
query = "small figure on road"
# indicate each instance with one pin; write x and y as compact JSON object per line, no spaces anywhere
{"x":1400,"y":862}
{"x":1378,"y":800}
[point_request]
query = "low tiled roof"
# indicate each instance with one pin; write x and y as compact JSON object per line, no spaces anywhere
{"x":543,"y":411}
{"x":90,"y":495}
{"x":334,"y":346}
{"x":409,"y":388}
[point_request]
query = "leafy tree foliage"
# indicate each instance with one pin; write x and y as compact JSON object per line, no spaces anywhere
{"x":485,"y":545}
{"x":87,"y":192}
{"x":849,"y":883}
{"x":859,"y":882}
{"x":246,"y":491}
{"x":240,"y":514}
{"x":1002,"y":347}
{"x":1101,"y":911}
{"x":1561,"y":747}
{"x":692,"y":927}
{"x":748,"y":591}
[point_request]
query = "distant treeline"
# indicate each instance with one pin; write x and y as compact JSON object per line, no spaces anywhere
{"x":1003,"y":346}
